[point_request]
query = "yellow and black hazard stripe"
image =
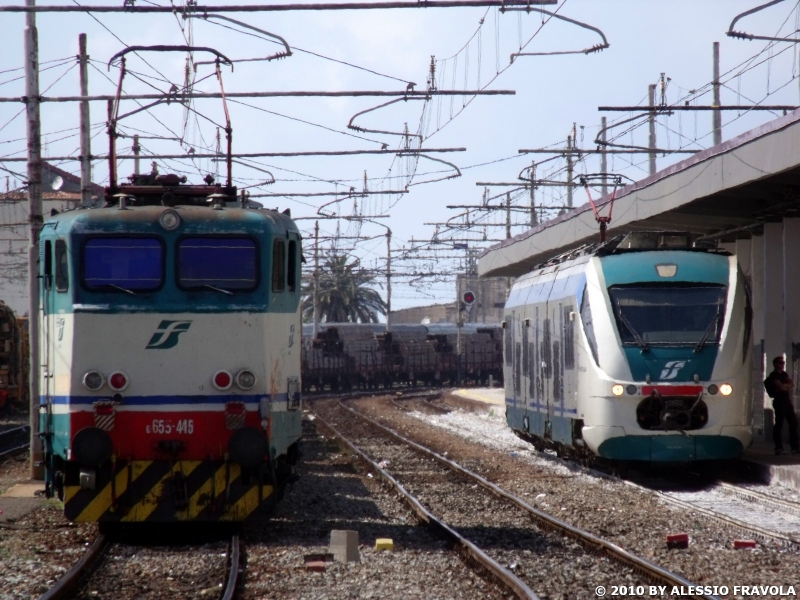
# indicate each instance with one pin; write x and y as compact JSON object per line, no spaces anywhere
{"x":166,"y":491}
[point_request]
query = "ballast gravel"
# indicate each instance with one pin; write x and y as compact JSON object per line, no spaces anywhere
{"x":337,"y":491}
{"x":626,"y":516}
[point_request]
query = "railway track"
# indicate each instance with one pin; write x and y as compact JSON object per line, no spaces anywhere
{"x":14,"y":440}
{"x":91,"y":564}
{"x":732,"y":506}
{"x":535,"y":540}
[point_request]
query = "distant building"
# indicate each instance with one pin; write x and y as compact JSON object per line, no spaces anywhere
{"x":490,"y":298}
{"x":60,"y":191}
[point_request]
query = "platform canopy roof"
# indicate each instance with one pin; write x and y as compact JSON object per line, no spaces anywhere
{"x":725,"y":192}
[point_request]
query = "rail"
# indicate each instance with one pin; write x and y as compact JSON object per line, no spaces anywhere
{"x":64,"y":586}
{"x":497,"y":571}
{"x":588,"y":539}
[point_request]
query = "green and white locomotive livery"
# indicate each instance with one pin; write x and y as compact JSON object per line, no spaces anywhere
{"x":170,"y":353}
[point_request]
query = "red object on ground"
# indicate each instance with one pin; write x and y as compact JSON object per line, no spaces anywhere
{"x":315,"y":565}
{"x":677,"y":540}
{"x":739,"y":544}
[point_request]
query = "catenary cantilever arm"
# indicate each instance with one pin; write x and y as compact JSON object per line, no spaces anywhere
{"x":595,"y":48}
{"x":161,"y":48}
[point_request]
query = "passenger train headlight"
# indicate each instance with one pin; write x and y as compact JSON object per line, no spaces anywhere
{"x":245,"y":379}
{"x":726,"y":389}
{"x":93,"y":380}
{"x":118,"y":381}
{"x":713,"y":389}
{"x":169,"y":220}
{"x":222,"y":380}
{"x":631,"y":389}
{"x":617,"y":389}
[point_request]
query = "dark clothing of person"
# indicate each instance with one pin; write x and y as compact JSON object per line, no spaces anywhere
{"x":784,"y":410}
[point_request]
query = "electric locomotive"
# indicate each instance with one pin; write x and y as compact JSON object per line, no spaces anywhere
{"x":636,"y":349}
{"x":170,"y":353}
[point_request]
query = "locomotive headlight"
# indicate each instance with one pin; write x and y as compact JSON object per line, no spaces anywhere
{"x":245,"y":379}
{"x":713,"y":389}
{"x":169,"y":220}
{"x":631,"y":389}
{"x":726,"y":389}
{"x":93,"y":380}
{"x":617,"y":389}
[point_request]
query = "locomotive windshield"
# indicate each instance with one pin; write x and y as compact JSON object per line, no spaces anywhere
{"x":671,"y":315}
{"x":222,"y":264}
{"x":123,"y":264}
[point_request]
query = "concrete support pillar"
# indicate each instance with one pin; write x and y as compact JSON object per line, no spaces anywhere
{"x":743,"y":255}
{"x":791,"y":298}
{"x":757,"y":288}
{"x":774,"y":321}
{"x":774,"y":332}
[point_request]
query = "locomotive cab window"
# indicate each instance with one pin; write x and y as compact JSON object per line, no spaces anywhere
{"x":223,"y":264}
{"x":61,"y":266}
{"x":278,"y":266}
{"x":669,"y":315}
{"x":123,"y":264}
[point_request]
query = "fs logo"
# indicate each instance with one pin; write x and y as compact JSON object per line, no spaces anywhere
{"x":671,"y":369}
{"x":166,"y":336}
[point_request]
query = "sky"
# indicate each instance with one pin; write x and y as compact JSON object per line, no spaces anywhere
{"x":385,"y":50}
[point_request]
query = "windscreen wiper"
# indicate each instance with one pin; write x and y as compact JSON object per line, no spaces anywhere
{"x":216,"y":289}
{"x":638,"y":338}
{"x":122,"y":289}
{"x":711,"y":327}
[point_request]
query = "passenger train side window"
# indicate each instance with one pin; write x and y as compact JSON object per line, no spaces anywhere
{"x":123,"y":264}
{"x":48,"y":265}
{"x":223,"y":264}
{"x":291,"y":276}
{"x":62,"y":266}
{"x":278,"y":266}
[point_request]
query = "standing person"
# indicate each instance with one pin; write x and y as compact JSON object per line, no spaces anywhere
{"x":779,"y":387}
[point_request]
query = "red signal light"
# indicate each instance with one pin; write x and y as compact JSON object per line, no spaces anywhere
{"x":222,"y":380}
{"x":118,"y":381}
{"x":469,"y":298}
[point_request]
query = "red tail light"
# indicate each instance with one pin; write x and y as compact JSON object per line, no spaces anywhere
{"x":104,"y":409}
{"x":222,"y":380}
{"x":235,"y":408}
{"x":118,"y":381}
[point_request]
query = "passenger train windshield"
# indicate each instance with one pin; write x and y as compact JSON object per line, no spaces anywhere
{"x":674,"y":315}
{"x":222,"y":264}
{"x":123,"y":264}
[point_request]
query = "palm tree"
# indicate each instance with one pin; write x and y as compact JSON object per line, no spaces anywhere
{"x":344,"y":294}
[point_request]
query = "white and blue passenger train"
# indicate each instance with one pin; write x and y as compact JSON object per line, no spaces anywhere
{"x":632,"y":350}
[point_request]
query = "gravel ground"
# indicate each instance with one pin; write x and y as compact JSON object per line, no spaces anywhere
{"x":608,"y":508}
{"x":770,"y":518}
{"x":139,"y":572}
{"x":335,"y":491}
{"x":39,"y":548}
{"x":553,"y":565}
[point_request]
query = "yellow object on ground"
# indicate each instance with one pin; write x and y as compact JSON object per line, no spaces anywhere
{"x":384,"y":544}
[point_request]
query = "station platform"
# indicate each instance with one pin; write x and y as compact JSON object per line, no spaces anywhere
{"x":782,"y":470}
{"x":495,"y":396}
{"x":20,"y":499}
